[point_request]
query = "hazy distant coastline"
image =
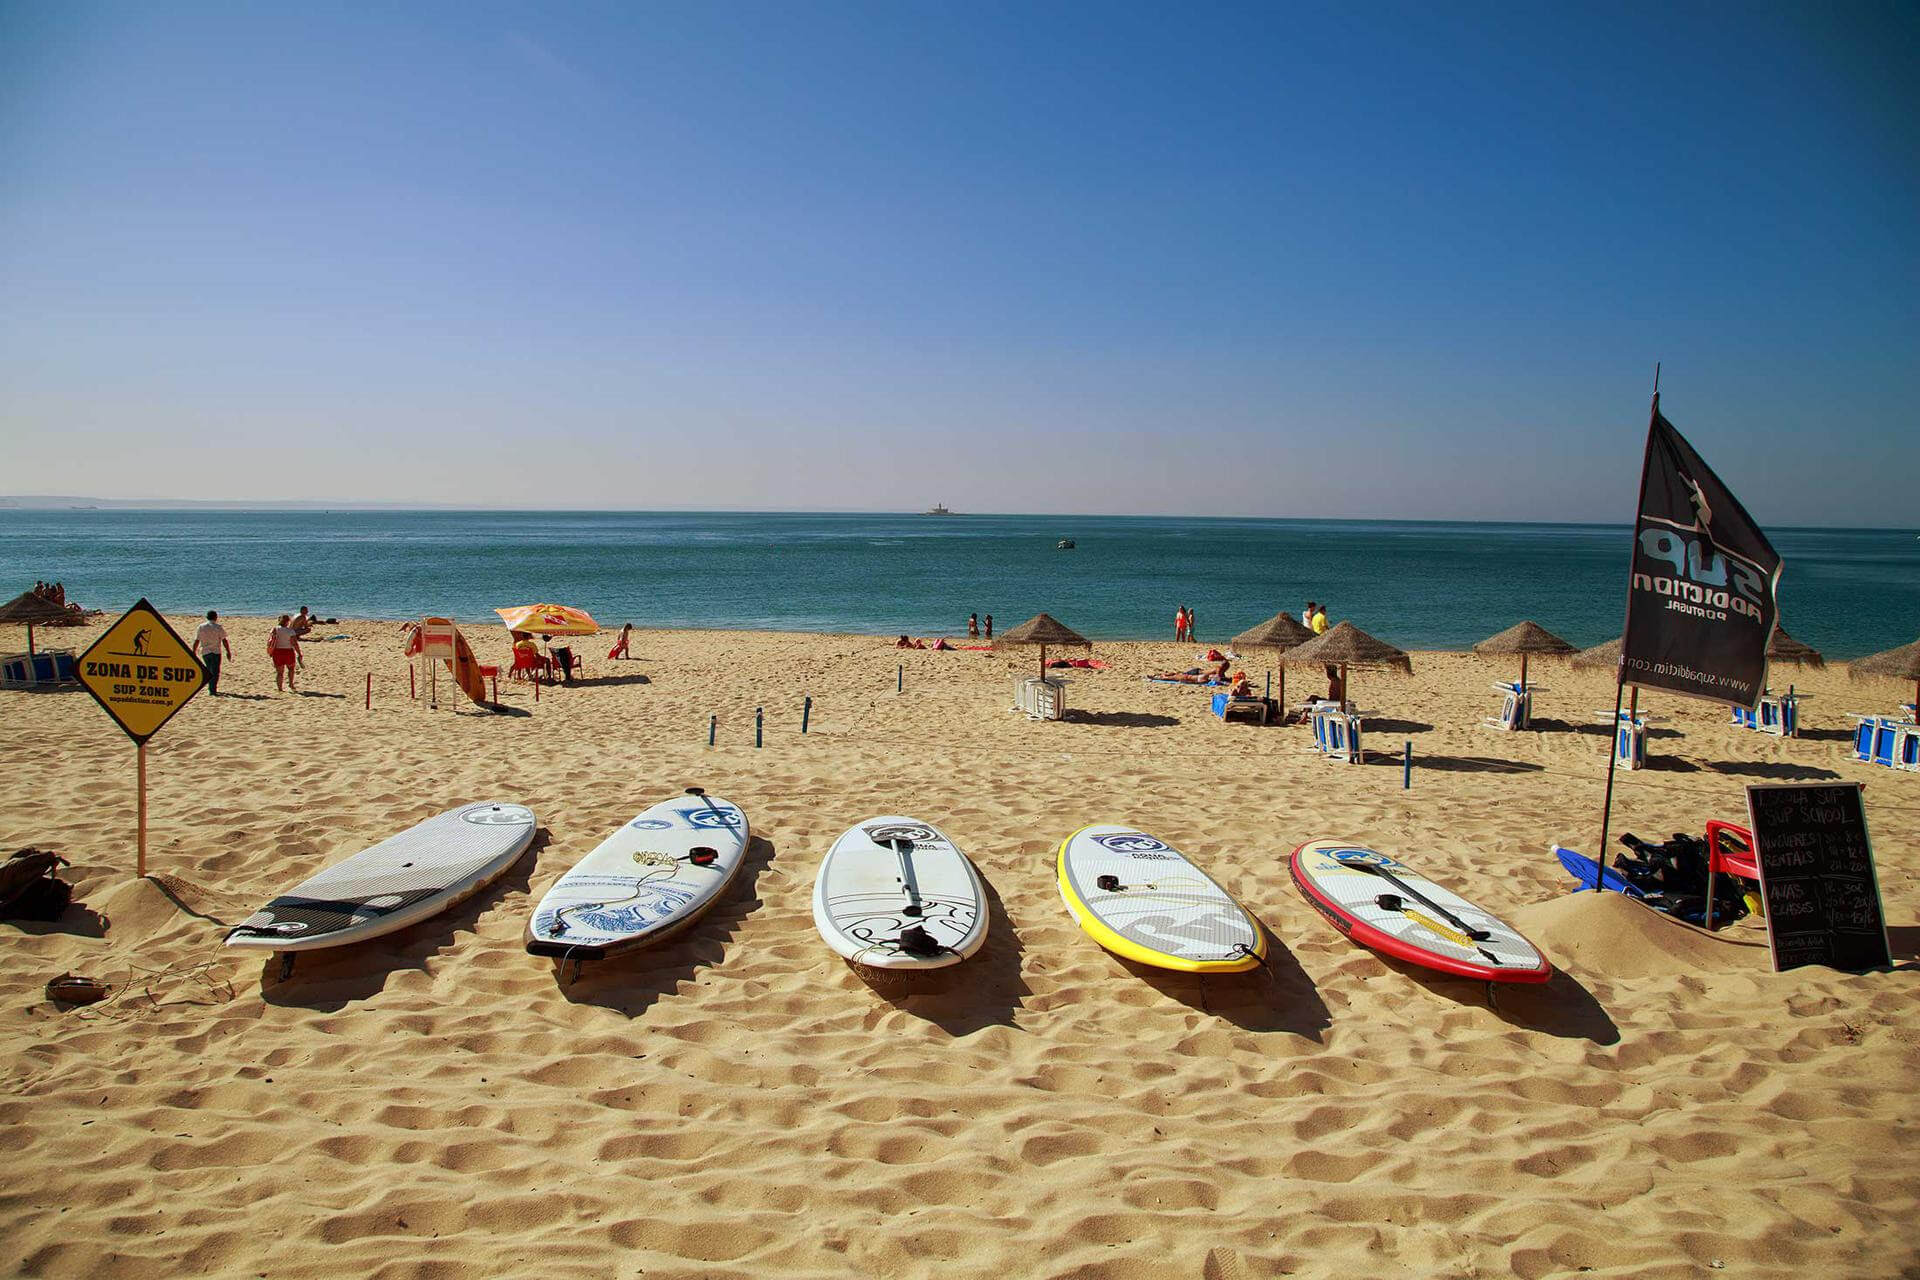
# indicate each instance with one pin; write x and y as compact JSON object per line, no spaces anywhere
{"x":63,"y":502}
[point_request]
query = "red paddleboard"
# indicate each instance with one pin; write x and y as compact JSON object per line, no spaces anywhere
{"x":1390,"y":907}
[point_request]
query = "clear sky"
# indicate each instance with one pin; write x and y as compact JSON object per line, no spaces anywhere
{"x":1266,"y":259}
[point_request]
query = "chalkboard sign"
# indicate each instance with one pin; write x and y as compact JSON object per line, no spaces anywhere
{"x":1816,"y":876}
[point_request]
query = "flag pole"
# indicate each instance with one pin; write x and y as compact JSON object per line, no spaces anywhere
{"x":1620,"y":671}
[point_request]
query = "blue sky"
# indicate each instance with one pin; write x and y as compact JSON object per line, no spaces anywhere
{"x":1265,"y":259}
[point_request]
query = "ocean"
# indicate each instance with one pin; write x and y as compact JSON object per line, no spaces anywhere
{"x":1847,"y":592}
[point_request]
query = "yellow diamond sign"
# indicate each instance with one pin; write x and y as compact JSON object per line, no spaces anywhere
{"x":141,"y":671}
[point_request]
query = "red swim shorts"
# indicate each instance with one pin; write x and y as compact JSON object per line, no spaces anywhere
{"x":282,"y":657}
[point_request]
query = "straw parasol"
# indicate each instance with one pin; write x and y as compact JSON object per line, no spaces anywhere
{"x":1280,"y":633}
{"x":1900,"y":664}
{"x":34,"y":611}
{"x":1601,"y":655}
{"x":1044,"y":630}
{"x":1347,"y":646}
{"x":1784,"y":648}
{"x":1525,"y":639}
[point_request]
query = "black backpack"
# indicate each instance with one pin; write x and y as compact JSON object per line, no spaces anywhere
{"x":31,"y":887}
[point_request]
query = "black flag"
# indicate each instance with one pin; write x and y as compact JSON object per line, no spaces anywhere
{"x":1701,"y":602}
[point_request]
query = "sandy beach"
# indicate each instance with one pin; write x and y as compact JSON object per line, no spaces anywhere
{"x":741,"y":1102}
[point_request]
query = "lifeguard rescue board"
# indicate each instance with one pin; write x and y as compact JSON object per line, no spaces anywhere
{"x":1141,"y":899}
{"x":1390,"y":907}
{"x":406,"y":878}
{"x":647,"y":881}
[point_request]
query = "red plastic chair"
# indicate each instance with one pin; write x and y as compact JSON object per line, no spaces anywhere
{"x":1729,"y":852}
{"x":525,"y":663}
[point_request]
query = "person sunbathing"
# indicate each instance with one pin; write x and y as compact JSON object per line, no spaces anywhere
{"x":1241,"y":687}
{"x":1197,"y":675}
{"x":906,"y":643}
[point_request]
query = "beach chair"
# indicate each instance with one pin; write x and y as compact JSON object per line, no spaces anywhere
{"x":1319,"y":731}
{"x":1744,"y":718}
{"x":1863,"y":738}
{"x":1041,"y":699}
{"x":1229,"y":708}
{"x":1886,"y":736}
{"x":1729,"y":852}
{"x":528,"y":666}
{"x":1338,"y":734}
{"x":1629,"y":739}
{"x":43,"y":667}
{"x":1906,"y":746}
{"x":1516,"y":707}
{"x":1788,"y":722}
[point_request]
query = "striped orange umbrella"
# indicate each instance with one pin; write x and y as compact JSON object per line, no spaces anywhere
{"x":549,"y":620}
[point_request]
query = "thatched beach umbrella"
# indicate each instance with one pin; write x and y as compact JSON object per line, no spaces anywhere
{"x":1899,"y":664}
{"x":1784,"y":648}
{"x":1347,"y":646}
{"x":1280,"y":633}
{"x":34,"y":611}
{"x":1601,"y":655}
{"x":1044,"y":630}
{"x":1525,"y":639}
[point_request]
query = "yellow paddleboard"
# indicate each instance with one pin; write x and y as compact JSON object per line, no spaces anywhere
{"x":1142,"y":900}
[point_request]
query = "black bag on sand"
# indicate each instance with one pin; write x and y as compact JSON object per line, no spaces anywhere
{"x":31,"y":887}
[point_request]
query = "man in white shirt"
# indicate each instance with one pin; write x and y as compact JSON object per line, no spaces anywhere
{"x":208,"y":643}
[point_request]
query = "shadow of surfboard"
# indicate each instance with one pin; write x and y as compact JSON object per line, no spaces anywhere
{"x":1278,"y":996}
{"x":984,"y":990}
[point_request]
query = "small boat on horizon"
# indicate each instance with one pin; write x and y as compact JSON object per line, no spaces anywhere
{"x":936,"y":510}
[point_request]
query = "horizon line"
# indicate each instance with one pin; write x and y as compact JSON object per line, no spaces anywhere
{"x":56,"y":503}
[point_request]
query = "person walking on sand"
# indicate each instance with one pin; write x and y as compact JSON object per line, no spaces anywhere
{"x":283,"y":646}
{"x":619,"y":649}
{"x":208,"y":643}
{"x":1180,"y":623}
{"x":989,"y":626}
{"x":1193,"y":634}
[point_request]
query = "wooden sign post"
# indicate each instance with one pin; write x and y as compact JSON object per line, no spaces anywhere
{"x":141,"y":672}
{"x":1816,"y":875}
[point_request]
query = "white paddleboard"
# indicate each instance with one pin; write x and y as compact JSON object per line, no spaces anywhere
{"x":1140,"y":898}
{"x":894,"y":893}
{"x":400,"y":881}
{"x":650,"y":879}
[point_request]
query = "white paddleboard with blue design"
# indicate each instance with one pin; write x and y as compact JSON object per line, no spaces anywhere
{"x":648,"y":880}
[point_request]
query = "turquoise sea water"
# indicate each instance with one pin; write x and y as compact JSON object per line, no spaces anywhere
{"x":1419,"y":585}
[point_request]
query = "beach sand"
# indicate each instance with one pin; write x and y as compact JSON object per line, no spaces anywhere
{"x":740,"y":1101}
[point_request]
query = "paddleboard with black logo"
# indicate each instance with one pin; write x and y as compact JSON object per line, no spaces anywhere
{"x":1141,"y":899}
{"x":895,"y":893}
{"x":647,"y":881}
{"x":1387,"y":905}
{"x":398,"y":882}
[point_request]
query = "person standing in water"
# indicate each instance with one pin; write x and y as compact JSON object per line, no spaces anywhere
{"x":973,"y":626}
{"x":1180,"y":623}
{"x":989,"y":626}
